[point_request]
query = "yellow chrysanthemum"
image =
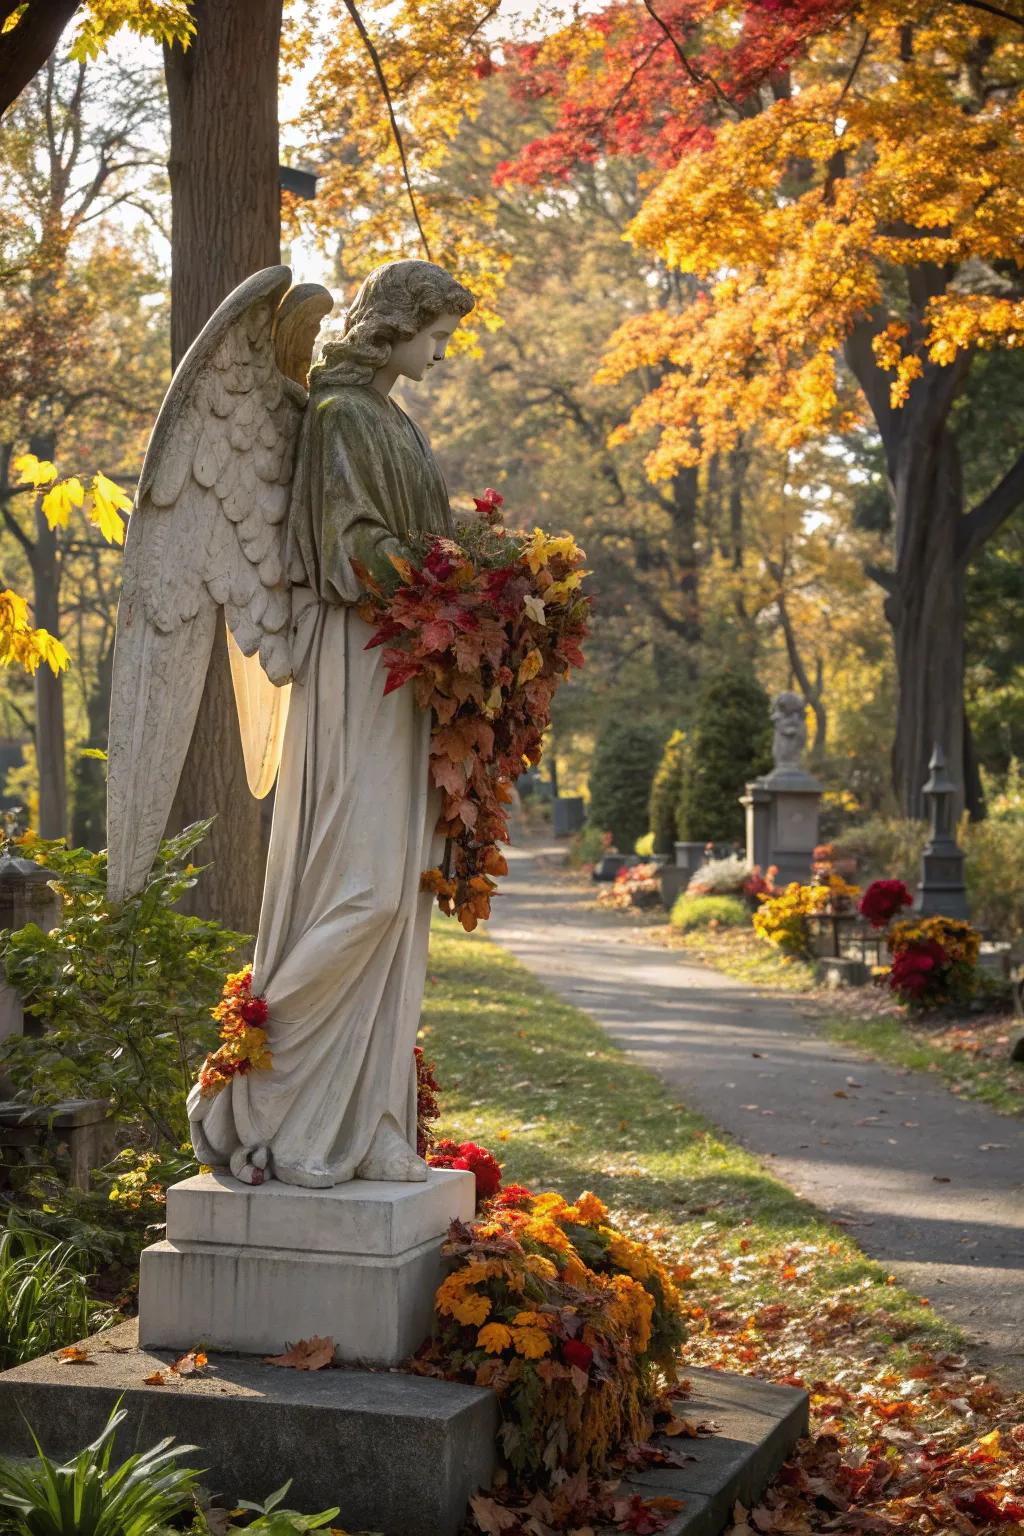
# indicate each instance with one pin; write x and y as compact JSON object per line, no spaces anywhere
{"x":538,"y":1265}
{"x":590,"y":1210}
{"x":531,"y":1342}
{"x":494,"y":1338}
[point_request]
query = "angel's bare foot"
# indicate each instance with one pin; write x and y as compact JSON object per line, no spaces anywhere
{"x":249,"y":1164}
{"x":307,"y":1174}
{"x":391,"y":1159}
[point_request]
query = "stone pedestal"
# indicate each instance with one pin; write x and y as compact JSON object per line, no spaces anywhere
{"x":782,"y":823}
{"x":252,"y":1270}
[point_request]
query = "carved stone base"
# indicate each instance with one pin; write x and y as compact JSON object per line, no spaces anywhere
{"x":252,"y":1270}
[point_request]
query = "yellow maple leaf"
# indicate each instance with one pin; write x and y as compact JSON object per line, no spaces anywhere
{"x":33,"y":471}
{"x":59,"y":500}
{"x":107,"y":501}
{"x":494,"y":1338}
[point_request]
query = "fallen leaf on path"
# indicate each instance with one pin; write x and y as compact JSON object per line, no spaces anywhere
{"x":840,"y":1093}
{"x":940,"y":1178}
{"x":190,"y":1363}
{"x":307,"y":1355}
{"x":158,"y":1379}
{"x":74,"y":1355}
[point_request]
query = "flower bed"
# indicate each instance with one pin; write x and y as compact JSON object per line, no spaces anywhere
{"x":572,"y":1324}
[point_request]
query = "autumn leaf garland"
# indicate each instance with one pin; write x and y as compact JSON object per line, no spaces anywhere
{"x":485,"y":628}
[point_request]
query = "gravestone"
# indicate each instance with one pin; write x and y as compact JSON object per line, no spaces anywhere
{"x":941,"y":891}
{"x":783,"y":806}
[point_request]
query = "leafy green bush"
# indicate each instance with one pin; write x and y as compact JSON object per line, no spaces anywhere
{"x":692,"y":912}
{"x":625,"y":757}
{"x":995,"y":875}
{"x":44,"y":1302}
{"x":886,"y":848}
{"x":84,"y":1497}
{"x":730,"y":743}
{"x":587,"y":846}
{"x":124,"y":992}
{"x":665,"y":791}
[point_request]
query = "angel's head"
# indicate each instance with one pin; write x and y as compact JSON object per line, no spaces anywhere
{"x":400,"y":323}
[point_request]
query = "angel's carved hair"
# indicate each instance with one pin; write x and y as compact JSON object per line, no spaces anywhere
{"x":394,"y":304}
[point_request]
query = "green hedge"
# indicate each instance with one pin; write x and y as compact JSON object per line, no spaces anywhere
{"x":665,"y":791}
{"x":730,"y":744}
{"x":625,"y":757}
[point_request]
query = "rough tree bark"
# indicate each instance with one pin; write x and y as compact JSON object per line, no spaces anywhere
{"x":225,"y":224}
{"x":27,"y":46}
{"x":934,"y":540}
{"x":45,"y":560}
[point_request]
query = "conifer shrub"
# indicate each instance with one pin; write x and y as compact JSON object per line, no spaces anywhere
{"x":729,"y":744}
{"x":625,"y":758}
{"x":665,"y":791}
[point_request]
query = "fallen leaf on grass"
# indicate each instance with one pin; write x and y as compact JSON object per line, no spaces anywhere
{"x":190,"y":1363}
{"x":307,"y":1355}
{"x":158,"y":1379}
{"x":74,"y":1355}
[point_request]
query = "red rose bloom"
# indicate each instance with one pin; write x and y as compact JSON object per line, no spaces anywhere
{"x":575,"y":1352}
{"x":254,"y":1011}
{"x":882,"y":900}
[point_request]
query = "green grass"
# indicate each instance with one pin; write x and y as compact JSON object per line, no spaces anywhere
{"x":539,"y":1083}
{"x":990,"y":1078}
{"x":740,"y":953}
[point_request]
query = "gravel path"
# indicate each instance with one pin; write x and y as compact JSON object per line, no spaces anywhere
{"x":927,"y":1183}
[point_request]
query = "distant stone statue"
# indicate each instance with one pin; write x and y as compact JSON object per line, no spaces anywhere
{"x":789,"y":716}
{"x":254,"y":497}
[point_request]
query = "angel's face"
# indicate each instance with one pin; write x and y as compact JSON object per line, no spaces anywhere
{"x":411,"y":359}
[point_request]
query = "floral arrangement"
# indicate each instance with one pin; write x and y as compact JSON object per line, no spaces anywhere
{"x":484,"y":627}
{"x":934,"y":961}
{"x":482,"y":1164}
{"x":759,"y":883}
{"x":883,"y":900}
{"x":241,"y":1017}
{"x":783,"y":918}
{"x":573,"y":1324}
{"x":635,"y":885}
{"x":720,"y":877}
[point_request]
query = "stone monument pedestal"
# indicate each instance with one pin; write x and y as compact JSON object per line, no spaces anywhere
{"x":782,"y":823}
{"x":251,"y":1270}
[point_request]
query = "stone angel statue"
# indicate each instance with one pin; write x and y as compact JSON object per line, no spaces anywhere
{"x":254,"y":497}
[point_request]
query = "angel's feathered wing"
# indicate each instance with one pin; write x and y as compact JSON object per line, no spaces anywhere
{"x":208,"y":531}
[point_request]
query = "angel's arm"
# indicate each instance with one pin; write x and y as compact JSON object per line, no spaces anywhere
{"x":349,"y":510}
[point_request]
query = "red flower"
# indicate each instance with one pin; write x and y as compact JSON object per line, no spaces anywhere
{"x":473,"y":1159}
{"x":514,"y":1197}
{"x":882,"y":900}
{"x":490,"y":504}
{"x":254,"y":1011}
{"x":575,"y":1352}
{"x":913,"y":969}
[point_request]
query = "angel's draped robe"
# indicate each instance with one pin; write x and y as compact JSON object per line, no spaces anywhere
{"x":342,"y":947}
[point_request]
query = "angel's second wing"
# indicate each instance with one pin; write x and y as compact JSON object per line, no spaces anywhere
{"x":262,"y":716}
{"x":207,"y":531}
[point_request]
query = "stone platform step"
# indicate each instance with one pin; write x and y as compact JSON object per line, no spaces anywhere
{"x":759,"y":1426}
{"x":400,"y":1454}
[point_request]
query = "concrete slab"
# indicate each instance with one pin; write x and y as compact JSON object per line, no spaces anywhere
{"x":400,"y":1454}
{"x":759,"y":1426}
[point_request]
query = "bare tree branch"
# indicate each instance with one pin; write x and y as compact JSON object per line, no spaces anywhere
{"x":989,"y":515}
{"x":368,"y":44}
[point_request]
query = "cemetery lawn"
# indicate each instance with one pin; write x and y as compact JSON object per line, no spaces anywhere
{"x":771,"y":1288}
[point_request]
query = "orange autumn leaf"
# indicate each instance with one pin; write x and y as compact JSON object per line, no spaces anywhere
{"x":74,"y":1354}
{"x":190,"y":1363}
{"x":158,"y":1379}
{"x":307,"y":1355}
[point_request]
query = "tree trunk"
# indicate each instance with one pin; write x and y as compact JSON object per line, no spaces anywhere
{"x":49,"y":687}
{"x":926,"y":611}
{"x":225,"y":224}
{"x":89,"y":807}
